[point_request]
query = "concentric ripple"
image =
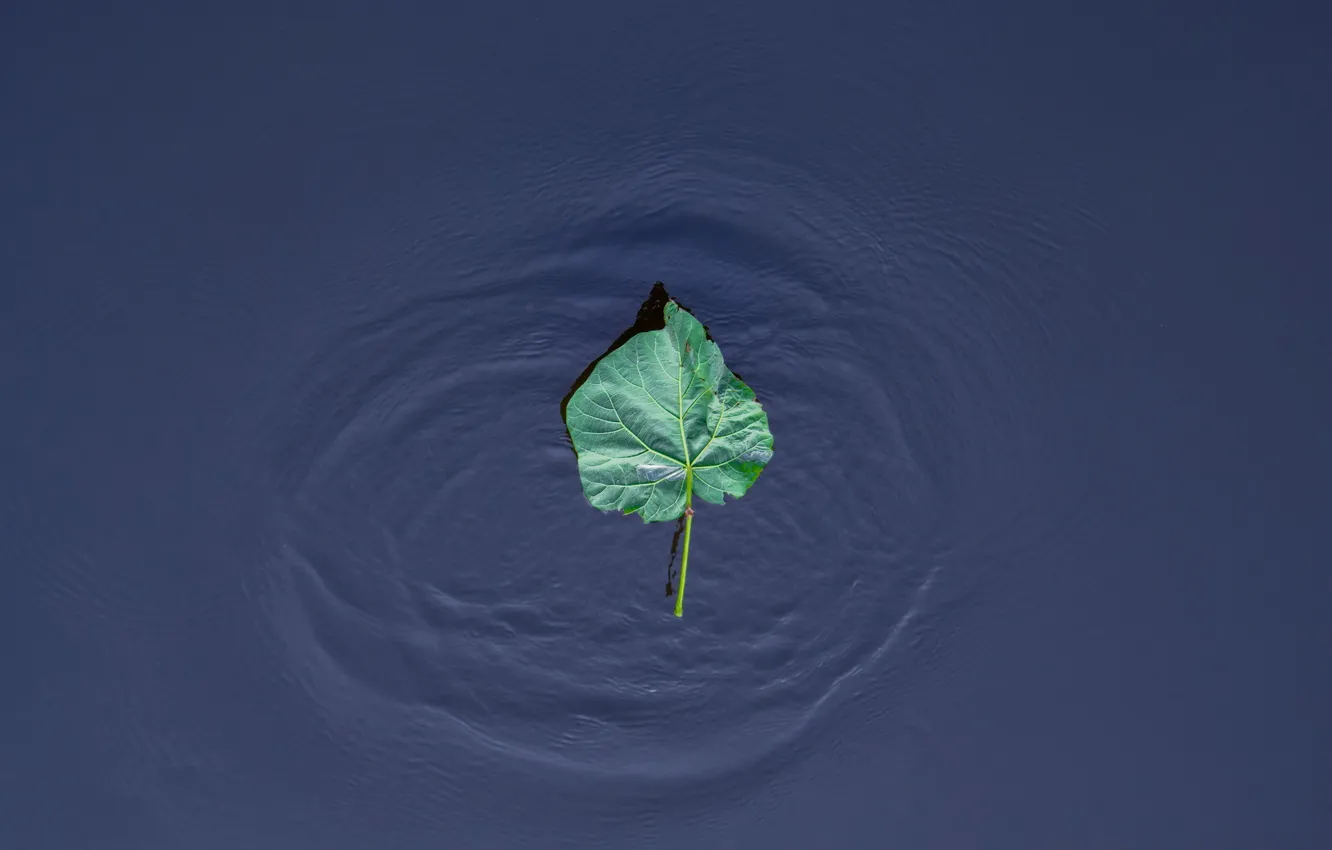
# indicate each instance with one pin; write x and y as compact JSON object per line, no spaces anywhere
{"x":440,"y":573}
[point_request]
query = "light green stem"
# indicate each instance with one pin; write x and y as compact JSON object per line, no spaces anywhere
{"x":689,"y":527}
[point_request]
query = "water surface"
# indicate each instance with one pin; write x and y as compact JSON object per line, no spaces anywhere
{"x":296,"y":547}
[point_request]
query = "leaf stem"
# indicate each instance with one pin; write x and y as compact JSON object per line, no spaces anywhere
{"x":689,"y":527}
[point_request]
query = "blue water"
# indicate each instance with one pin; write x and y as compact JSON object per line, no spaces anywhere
{"x":294,"y":547}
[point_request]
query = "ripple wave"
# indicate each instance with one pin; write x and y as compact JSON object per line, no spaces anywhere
{"x":438,"y":572}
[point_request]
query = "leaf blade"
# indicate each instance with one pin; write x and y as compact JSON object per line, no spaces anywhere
{"x":659,"y":406}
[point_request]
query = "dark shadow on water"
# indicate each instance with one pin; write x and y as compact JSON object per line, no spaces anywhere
{"x":675,"y":545}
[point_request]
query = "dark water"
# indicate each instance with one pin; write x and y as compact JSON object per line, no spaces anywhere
{"x":294,"y":546}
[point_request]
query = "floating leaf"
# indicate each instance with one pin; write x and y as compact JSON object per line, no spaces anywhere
{"x":659,"y":419}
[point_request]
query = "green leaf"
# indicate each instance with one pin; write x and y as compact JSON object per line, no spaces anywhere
{"x":661,"y":419}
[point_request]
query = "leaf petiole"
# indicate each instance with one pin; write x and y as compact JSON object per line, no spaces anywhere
{"x":689,"y":527}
